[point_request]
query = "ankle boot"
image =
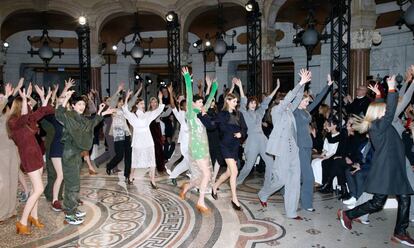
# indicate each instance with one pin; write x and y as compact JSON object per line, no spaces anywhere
{"x":343,"y":193}
{"x":326,"y":188}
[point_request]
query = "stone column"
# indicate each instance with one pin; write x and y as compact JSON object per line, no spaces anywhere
{"x":361,"y":42}
{"x":268,"y":54}
{"x":96,"y":63}
{"x":362,"y":36}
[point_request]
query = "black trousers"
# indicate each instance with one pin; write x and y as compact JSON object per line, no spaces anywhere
{"x":334,"y":168}
{"x":123,"y":150}
{"x":377,"y":203}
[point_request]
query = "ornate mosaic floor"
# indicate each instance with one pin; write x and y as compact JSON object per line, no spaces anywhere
{"x":138,"y":216}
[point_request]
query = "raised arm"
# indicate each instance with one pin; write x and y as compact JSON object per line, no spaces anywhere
{"x":113,"y":100}
{"x":391,"y":107}
{"x":172,"y":95}
{"x":210,"y":98}
{"x":318,"y":99}
{"x":188,"y":89}
{"x":134,"y":98}
{"x":305,"y":76}
{"x":18,"y":87}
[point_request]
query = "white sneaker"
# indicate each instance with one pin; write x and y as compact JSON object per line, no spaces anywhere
{"x":351,"y":206}
{"x":350,"y":201}
{"x":80,"y":214}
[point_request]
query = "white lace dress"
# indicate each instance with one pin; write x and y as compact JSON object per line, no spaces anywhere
{"x":143,"y":153}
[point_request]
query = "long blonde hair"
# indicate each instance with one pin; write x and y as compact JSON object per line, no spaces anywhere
{"x":375,"y":111}
{"x":15,"y":111}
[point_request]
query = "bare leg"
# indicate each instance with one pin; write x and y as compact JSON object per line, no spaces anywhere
{"x":152,"y":175}
{"x":31,"y":204}
{"x":203,"y":164}
{"x":57,"y":164}
{"x":215,"y":171}
{"x":221,"y":179}
{"x":90,"y":165}
{"x":23,"y":182}
{"x":232,"y":165}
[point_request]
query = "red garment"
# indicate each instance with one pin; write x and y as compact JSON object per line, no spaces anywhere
{"x":23,"y":130}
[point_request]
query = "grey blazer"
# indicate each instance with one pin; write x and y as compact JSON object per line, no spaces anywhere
{"x":283,"y":120}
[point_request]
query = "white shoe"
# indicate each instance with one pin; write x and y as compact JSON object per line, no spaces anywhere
{"x":351,"y":206}
{"x":350,"y":201}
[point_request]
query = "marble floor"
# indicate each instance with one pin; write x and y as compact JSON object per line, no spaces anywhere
{"x":120,"y":215}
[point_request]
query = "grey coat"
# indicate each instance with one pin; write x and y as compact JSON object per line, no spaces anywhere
{"x":284,"y":124}
{"x":303,"y":119}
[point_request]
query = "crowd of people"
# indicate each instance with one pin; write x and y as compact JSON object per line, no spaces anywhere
{"x":293,"y":140}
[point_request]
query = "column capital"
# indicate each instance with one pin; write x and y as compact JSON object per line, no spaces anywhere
{"x":97,"y":60}
{"x":186,"y":58}
{"x":270,"y":52}
{"x":364,"y":39}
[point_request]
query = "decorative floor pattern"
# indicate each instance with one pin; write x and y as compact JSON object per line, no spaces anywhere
{"x":120,"y":215}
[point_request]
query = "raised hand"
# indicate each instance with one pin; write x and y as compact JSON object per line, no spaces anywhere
{"x":8,"y":90}
{"x":40,"y":91}
{"x":391,"y":82}
{"x":121,"y":87}
{"x":277,"y":83}
{"x":184,"y":70}
{"x":22,"y":94}
{"x":305,"y":76}
{"x":237,"y":82}
{"x":109,"y":111}
{"x":69,"y":94}
{"x":69,"y":83}
{"x":129,"y":93}
{"x":329,"y":79}
{"x":374,"y":89}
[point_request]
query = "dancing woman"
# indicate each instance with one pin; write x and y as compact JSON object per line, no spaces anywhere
{"x":143,"y":153}
{"x":303,"y":119}
{"x":77,"y":137}
{"x":256,"y":140}
{"x":198,"y":145}
{"x":283,"y":145}
{"x":388,"y":174}
{"x":22,"y":127}
{"x":233,"y":129}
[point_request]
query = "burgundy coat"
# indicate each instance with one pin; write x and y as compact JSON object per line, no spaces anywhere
{"x":23,"y":130}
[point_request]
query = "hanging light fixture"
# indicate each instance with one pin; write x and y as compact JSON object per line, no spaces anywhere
{"x":309,"y":37}
{"x":220,"y":46}
{"x":137,"y":52}
{"x":407,"y":17}
{"x":45,"y":52}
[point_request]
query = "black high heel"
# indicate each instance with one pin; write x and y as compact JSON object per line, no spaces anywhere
{"x":153,"y":186}
{"x":235,"y":207}
{"x":108,"y":171}
{"x":214,"y":195}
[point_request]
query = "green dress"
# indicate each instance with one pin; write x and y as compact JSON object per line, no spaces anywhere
{"x":198,"y":136}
